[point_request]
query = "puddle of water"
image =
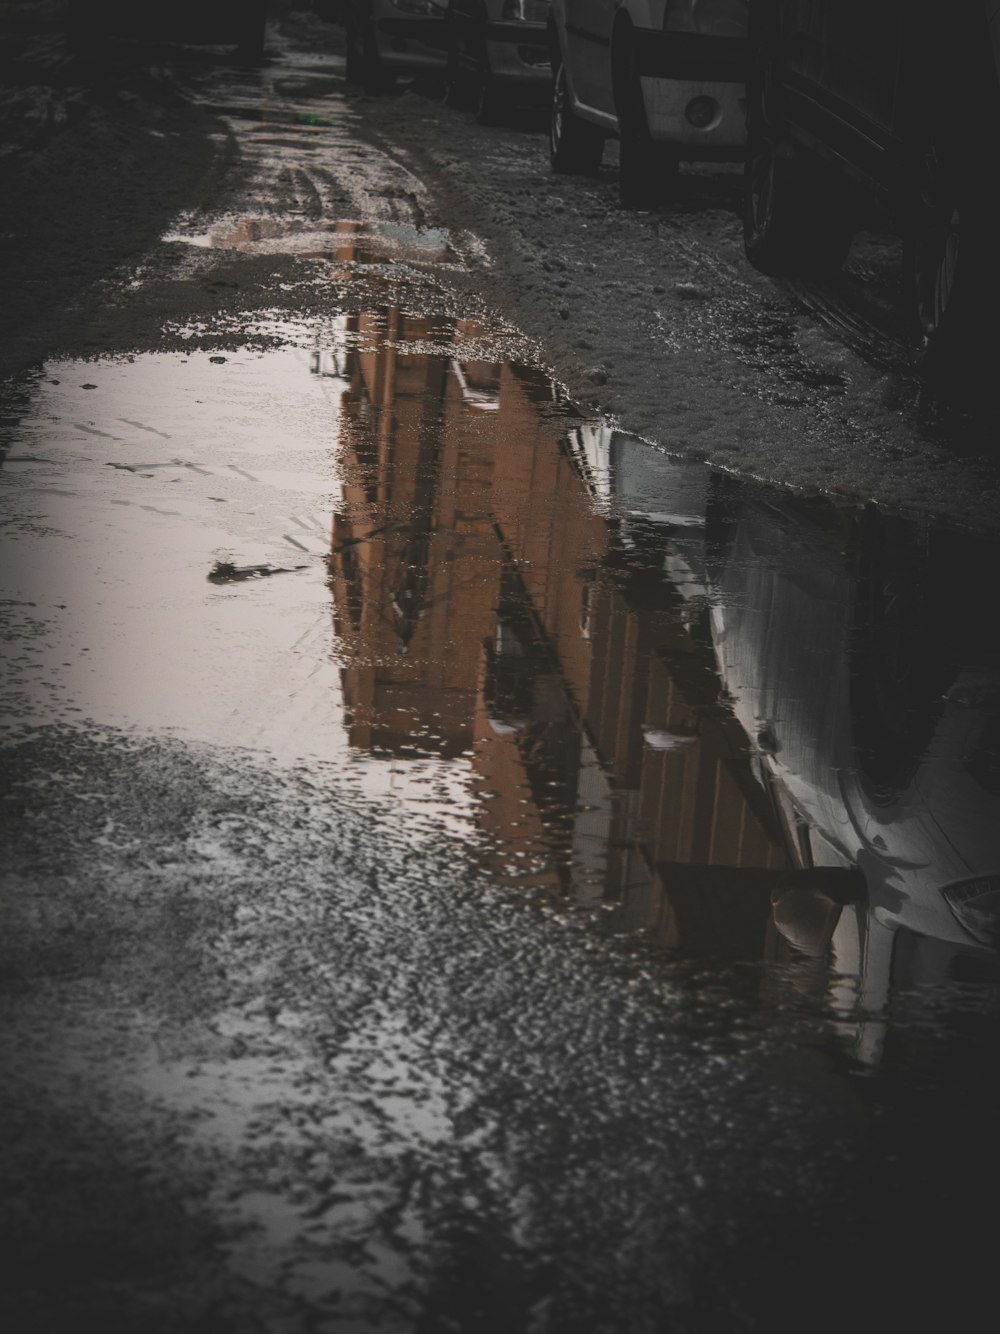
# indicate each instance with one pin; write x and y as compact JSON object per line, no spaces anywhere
{"x":735,"y":723}
{"x":343,"y":242}
{"x":132,"y":480}
{"x":742,"y":724}
{"x":300,"y":118}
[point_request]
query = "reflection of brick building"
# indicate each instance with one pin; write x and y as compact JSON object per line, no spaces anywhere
{"x":484,"y":602}
{"x":414,"y":555}
{"x":685,"y":793}
{"x":528,"y":737}
{"x":665,"y":807}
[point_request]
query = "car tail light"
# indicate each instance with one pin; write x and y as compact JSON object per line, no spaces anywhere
{"x":976,"y":907}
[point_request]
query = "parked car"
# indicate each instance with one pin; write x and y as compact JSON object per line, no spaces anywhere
{"x":879,"y":108}
{"x":663,"y":76}
{"x":387,"y":38}
{"x":498,"y":55}
{"x":241,"y":23}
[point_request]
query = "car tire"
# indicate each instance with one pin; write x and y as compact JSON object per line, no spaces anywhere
{"x":795,"y":219}
{"x":647,"y":171}
{"x":574,"y":145}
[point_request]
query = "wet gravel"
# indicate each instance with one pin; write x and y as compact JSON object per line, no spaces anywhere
{"x":264,"y":1056}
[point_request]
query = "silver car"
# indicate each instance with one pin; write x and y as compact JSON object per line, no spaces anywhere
{"x":664,"y":77}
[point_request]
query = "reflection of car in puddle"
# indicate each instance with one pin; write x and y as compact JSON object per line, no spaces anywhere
{"x":867,"y":677}
{"x":866,"y":686}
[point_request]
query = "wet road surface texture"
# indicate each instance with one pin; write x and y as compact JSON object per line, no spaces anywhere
{"x":468,"y":869}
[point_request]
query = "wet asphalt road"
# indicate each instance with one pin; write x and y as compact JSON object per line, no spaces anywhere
{"x":467,"y":868}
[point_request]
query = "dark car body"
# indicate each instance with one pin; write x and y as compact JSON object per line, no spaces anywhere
{"x":878,"y":105}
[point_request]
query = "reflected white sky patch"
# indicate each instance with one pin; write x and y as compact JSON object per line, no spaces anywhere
{"x":128,"y":493}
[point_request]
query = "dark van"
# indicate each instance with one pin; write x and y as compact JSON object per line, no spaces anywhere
{"x":862,"y":105}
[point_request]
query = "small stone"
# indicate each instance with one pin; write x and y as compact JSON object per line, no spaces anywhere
{"x":598,"y":375}
{"x":217,"y":361}
{"x":690,"y":292}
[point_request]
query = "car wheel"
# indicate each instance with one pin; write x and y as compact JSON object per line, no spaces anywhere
{"x":794,"y":218}
{"x":647,"y":171}
{"x":574,"y":145}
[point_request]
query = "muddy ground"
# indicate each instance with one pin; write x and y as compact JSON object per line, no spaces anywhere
{"x":654,"y":317}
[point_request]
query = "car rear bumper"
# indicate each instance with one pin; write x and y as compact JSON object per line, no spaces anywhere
{"x":675,"y":68}
{"x":667,"y":102}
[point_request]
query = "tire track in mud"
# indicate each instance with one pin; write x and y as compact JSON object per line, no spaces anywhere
{"x":304,"y":148}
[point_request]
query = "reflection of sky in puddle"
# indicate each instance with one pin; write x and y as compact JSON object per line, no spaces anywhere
{"x":167,"y":463}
